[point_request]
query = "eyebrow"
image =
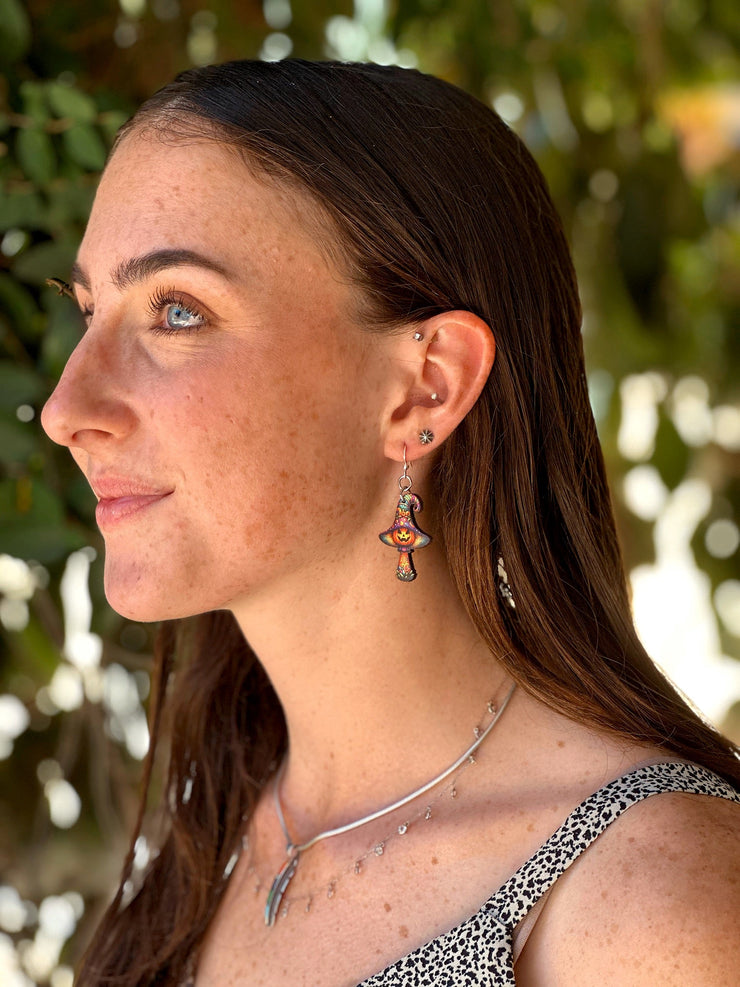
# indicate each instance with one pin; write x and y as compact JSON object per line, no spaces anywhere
{"x":137,"y":269}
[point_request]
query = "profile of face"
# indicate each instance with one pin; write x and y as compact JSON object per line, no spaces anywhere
{"x":222,"y":393}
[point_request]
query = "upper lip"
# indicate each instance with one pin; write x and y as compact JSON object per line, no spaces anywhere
{"x":113,"y":487}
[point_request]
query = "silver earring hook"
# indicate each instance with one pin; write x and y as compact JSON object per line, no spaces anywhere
{"x":404,"y":480}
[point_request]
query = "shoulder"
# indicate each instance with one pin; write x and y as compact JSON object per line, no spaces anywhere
{"x":655,"y":900}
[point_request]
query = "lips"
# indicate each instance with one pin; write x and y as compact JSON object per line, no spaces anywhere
{"x":123,"y":498}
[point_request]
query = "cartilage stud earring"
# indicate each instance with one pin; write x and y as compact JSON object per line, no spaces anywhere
{"x":426,"y":436}
{"x":418,"y":337}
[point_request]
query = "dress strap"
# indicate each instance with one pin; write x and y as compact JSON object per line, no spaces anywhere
{"x":587,"y":822}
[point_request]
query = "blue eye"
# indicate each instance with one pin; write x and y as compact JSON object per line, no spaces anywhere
{"x":178,"y":316}
{"x":175,"y":313}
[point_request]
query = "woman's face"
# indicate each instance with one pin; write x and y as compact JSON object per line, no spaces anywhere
{"x":222,"y":403}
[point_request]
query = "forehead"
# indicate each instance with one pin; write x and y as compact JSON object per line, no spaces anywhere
{"x":199,"y":195}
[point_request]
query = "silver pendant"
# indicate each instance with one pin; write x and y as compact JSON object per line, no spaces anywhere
{"x":279,"y":887}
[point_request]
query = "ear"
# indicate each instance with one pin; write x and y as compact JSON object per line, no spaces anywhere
{"x":449,"y":366}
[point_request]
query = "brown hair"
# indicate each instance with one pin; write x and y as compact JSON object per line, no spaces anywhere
{"x":437,"y":206}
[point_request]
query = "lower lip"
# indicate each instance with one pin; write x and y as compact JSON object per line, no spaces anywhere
{"x":113,"y":511}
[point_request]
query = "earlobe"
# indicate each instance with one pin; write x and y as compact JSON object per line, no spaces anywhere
{"x":455,"y":352}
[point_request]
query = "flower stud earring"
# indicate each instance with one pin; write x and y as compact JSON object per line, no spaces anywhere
{"x":426,"y":436}
{"x":403,"y":534}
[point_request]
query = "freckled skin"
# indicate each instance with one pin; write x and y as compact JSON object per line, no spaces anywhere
{"x":268,"y":427}
{"x":249,"y":419}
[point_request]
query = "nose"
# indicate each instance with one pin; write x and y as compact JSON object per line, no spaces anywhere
{"x":91,"y":403}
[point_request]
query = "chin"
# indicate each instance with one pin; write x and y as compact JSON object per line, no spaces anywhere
{"x":145,"y":595}
{"x":146,"y":599}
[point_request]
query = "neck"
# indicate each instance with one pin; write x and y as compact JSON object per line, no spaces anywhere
{"x":381,"y":690}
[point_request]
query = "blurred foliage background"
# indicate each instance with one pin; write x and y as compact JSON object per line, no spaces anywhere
{"x":632,"y":108}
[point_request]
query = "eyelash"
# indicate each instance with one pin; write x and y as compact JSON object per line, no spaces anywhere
{"x":161,"y":299}
{"x":157,"y":303}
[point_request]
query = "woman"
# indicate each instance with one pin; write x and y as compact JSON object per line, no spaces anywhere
{"x":314,"y":292}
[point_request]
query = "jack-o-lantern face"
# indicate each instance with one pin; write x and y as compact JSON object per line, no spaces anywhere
{"x":403,"y":537}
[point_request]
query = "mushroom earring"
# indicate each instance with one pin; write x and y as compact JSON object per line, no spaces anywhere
{"x":403,"y":534}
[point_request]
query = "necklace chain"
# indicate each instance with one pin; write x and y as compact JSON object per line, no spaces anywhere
{"x":293,"y":850}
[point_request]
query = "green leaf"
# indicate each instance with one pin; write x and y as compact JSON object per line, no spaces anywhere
{"x":23,"y":210}
{"x":672,"y":455}
{"x":36,"y":156}
{"x":62,"y":334}
{"x":35,"y":652}
{"x":20,"y":306}
{"x":18,"y":441}
{"x":66,"y":101}
{"x":45,"y":543}
{"x":85,"y":146}
{"x":15,"y":31}
{"x":18,"y":385}
{"x":51,"y":259}
{"x":28,"y":500}
{"x":68,"y":202}
{"x":111,"y":122}
{"x":32,"y":522}
{"x":35,"y":105}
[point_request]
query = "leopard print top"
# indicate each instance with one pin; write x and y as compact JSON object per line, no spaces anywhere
{"x":479,"y":952}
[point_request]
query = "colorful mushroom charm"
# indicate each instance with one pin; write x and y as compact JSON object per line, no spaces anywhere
{"x":404,"y":536}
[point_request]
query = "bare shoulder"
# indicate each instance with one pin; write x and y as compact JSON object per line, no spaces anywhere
{"x":654,"y":901}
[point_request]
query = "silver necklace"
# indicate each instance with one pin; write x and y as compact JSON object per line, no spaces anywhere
{"x":294,"y":850}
